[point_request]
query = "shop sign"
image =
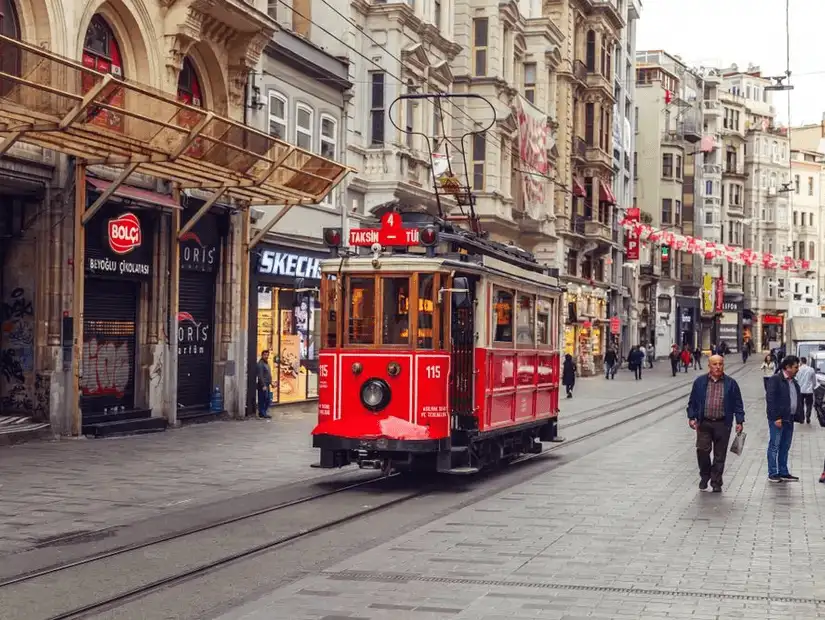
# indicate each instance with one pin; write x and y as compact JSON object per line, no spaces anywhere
{"x":771,"y":319}
{"x":732,"y":306}
{"x":615,"y":325}
{"x":729,"y":333}
{"x":193,"y":336}
{"x":391,"y":233}
{"x":199,"y":247}
{"x":117,"y":245}
{"x":290,"y":265}
{"x":631,"y":236}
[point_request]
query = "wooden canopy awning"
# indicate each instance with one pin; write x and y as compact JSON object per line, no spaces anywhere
{"x":60,"y":104}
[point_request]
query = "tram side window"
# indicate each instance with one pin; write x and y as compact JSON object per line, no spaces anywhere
{"x":543,"y":321}
{"x":525,"y":329}
{"x":503,"y":308}
{"x":330,"y":303}
{"x":361,"y":311}
{"x":395,"y":325}
{"x":426,"y":310}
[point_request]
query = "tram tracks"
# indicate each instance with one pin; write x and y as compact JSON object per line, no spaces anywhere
{"x":123,"y":575}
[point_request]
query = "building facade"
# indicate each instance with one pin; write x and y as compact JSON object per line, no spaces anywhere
{"x":136,"y":203}
{"x":301,"y":95}
{"x":584,"y":194}
{"x":669,"y":136}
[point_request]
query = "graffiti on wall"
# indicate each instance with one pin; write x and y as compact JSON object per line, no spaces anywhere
{"x":17,"y":351}
{"x":42,"y":396}
{"x":107,"y":368}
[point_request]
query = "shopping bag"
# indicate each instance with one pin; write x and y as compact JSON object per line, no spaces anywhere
{"x":820,"y":413}
{"x":738,"y":443}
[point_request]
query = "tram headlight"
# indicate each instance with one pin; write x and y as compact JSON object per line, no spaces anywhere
{"x":375,"y":394}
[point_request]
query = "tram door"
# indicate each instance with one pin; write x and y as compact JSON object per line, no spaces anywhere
{"x":462,"y":341}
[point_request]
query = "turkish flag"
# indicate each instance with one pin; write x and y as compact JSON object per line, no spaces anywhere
{"x":668,"y":96}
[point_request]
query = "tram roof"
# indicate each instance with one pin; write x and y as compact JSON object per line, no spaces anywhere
{"x":468,"y":263}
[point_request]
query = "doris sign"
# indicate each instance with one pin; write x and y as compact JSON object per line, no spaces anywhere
{"x":124,"y":233}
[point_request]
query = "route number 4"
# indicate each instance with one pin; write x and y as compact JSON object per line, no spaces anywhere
{"x":433,"y":372}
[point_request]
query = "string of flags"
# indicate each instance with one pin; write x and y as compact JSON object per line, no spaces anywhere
{"x":638,"y":232}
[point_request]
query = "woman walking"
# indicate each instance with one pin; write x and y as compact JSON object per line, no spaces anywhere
{"x":768,"y":368}
{"x":568,"y":375}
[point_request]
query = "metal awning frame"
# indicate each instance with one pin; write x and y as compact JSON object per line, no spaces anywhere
{"x":249,"y":175}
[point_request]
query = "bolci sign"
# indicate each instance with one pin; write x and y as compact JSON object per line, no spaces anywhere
{"x":124,"y":233}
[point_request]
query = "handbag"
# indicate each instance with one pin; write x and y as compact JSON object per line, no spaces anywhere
{"x":738,"y":443}
{"x":820,"y":413}
{"x":799,"y":416}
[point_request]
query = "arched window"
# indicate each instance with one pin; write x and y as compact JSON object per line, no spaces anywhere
{"x":9,"y":57}
{"x":590,"y":52}
{"x":101,"y":52}
{"x":189,"y":86}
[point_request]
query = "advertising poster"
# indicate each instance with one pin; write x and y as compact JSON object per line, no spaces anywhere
{"x":291,"y":381}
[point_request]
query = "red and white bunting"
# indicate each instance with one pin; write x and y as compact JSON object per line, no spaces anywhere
{"x":645,"y":233}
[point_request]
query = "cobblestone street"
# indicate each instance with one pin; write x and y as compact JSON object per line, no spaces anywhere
{"x":55,"y":489}
{"x":622,"y":533}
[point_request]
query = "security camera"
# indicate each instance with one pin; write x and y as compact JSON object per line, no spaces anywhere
{"x":375,"y":248}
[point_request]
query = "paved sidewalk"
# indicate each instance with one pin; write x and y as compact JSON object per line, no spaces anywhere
{"x":52,"y":489}
{"x":620,"y":534}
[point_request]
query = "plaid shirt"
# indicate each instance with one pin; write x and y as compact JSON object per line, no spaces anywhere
{"x":714,"y":403}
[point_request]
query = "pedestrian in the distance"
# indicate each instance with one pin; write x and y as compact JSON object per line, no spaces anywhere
{"x":715,"y":402}
{"x":685,"y":358}
{"x":784,"y":404}
{"x":650,"y":353}
{"x":697,"y":358}
{"x":568,"y":375}
{"x":806,"y":378}
{"x":264,"y":383}
{"x":610,"y":363}
{"x":745,"y":353}
{"x":635,"y":360}
{"x":674,"y":358}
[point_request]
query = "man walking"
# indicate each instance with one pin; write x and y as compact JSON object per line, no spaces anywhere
{"x":806,"y":378}
{"x":784,"y":402}
{"x":610,"y":360}
{"x":264,"y":382}
{"x":715,"y":401}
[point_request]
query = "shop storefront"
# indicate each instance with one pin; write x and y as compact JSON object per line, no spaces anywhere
{"x":689,"y":319}
{"x":587,"y":329}
{"x":286,"y":316}
{"x":200,"y":254}
{"x":118,"y":263}
{"x":747,"y":330}
{"x":729,"y":328}
{"x":773,"y":331}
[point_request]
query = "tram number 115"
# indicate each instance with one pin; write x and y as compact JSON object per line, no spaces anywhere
{"x":433,"y":372}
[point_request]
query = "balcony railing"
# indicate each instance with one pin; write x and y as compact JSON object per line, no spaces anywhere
{"x":712,"y":170}
{"x":733,"y":169}
{"x":580,"y":71}
{"x":712,"y":104}
{"x":577,"y":225}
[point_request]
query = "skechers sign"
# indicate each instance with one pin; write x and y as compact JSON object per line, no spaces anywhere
{"x":289,"y":265}
{"x":122,"y":250}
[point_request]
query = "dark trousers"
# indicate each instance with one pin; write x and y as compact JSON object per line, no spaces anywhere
{"x":808,"y":402}
{"x":697,"y":363}
{"x":712,"y":435}
{"x":674,"y":366}
{"x":264,"y":400}
{"x":637,"y":370}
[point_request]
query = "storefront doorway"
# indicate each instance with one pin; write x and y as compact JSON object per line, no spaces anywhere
{"x":200,"y":251}
{"x":288,"y":319}
{"x":119,"y":244}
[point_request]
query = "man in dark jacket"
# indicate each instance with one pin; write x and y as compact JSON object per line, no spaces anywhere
{"x":264,"y":382}
{"x":784,"y":403}
{"x":715,"y":401}
{"x":610,"y":360}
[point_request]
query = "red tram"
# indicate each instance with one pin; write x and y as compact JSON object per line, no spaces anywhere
{"x":439,"y":355}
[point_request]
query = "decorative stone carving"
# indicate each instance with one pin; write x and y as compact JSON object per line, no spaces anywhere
{"x":244,"y":56}
{"x":187,"y":32}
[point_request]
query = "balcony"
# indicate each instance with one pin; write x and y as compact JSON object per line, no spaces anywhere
{"x":672,"y":137}
{"x":611,"y":8}
{"x":712,"y":107}
{"x":580,"y":71}
{"x":596,"y":156}
{"x":648,"y":272}
{"x":691,"y":130}
{"x":577,"y":225}
{"x":711,"y":172}
{"x":598,"y":231}
{"x":580,"y":149}
{"x":735,"y":171}
{"x":597,"y":81}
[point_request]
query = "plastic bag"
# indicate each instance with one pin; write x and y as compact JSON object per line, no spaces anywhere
{"x":738,"y":443}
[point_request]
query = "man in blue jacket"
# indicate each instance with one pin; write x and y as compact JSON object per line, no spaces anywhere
{"x":715,"y":401}
{"x":784,"y":403}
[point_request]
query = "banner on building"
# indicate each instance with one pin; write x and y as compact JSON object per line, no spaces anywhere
{"x":707,"y":294}
{"x":720,"y":295}
{"x":631,"y":238}
{"x":533,"y":144}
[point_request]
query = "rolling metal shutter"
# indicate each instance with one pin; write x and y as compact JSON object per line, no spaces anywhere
{"x":109,"y":345}
{"x":196,"y":314}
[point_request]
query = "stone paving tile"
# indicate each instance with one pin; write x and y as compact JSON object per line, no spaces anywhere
{"x":620,"y":533}
{"x":51,"y":489}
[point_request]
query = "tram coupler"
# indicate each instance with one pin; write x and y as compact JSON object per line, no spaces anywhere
{"x":370,"y":464}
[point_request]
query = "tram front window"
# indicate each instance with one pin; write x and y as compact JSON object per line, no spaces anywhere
{"x":362,"y":311}
{"x":426,"y":307}
{"x":395,"y":323}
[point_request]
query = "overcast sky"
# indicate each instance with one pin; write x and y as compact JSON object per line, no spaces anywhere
{"x":721,"y":32}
